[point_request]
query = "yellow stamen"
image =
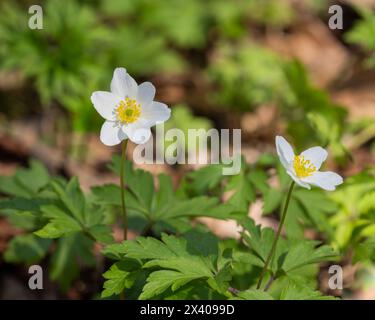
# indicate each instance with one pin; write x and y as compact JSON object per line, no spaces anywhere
{"x":303,"y":167}
{"x":128,"y":110}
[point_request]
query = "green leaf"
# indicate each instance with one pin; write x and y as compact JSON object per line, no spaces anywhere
{"x":101,"y":233}
{"x":121,"y":275}
{"x":244,"y":192}
{"x":306,"y":252}
{"x":259,"y":180}
{"x":10,"y":186}
{"x":290,"y":255}
{"x":178,"y":262}
{"x":272,"y":200}
{"x":26,"y":249}
{"x":253,"y":295}
{"x":162,"y":206}
{"x":25,"y":182}
{"x":34,"y":178}
{"x":72,"y":197}
{"x":316,"y":206}
{"x":260,"y":242}
{"x":363,"y":34}
{"x":108,"y":194}
{"x":24,"y":204}
{"x":296,"y":291}
{"x":160,"y":281}
{"x":60,"y":223}
{"x":205,"y":179}
{"x":71,"y":252}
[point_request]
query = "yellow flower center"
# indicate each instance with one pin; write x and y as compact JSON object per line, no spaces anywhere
{"x":128,"y":110}
{"x":303,"y":167}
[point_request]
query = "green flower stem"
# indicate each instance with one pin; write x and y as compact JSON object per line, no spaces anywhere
{"x":122,"y":185}
{"x":268,"y":260}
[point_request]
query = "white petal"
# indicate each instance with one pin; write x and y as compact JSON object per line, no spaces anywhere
{"x":317,"y":155}
{"x":137,"y":133}
{"x":110,"y":134}
{"x":156,"y":112}
{"x":284,"y":151}
{"x":105,"y":103}
{"x":132,"y":87}
{"x":298,"y":180}
{"x":326,"y":180}
{"x":118,"y":83}
{"x":146,"y":93}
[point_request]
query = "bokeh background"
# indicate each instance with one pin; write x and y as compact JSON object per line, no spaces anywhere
{"x":266,"y":66}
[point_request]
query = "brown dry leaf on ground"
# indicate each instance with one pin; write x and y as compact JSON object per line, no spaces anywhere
{"x":363,"y":3}
{"x":263,"y":122}
{"x":309,"y":42}
{"x":7,"y":231}
{"x":358,"y":96}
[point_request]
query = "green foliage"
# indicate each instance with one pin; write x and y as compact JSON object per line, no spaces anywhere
{"x":307,"y":208}
{"x":189,"y":263}
{"x":26,"y":249}
{"x":293,"y":266}
{"x":73,"y":214}
{"x":161,"y":209}
{"x":25,"y":182}
{"x":173,"y":263}
{"x":363,"y":34}
{"x":53,"y":55}
{"x":353,"y":222}
{"x":329,"y":134}
{"x":309,"y":100}
{"x":51,"y":208}
{"x":290,"y":255}
{"x":247,"y":75}
{"x":273,"y":13}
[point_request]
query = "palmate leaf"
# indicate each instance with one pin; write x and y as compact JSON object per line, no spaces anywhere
{"x":297,"y":293}
{"x":253,"y":295}
{"x":294,"y":288}
{"x":290,"y":255}
{"x":71,"y":253}
{"x":316,"y":207}
{"x":121,"y":275}
{"x":161,"y":206}
{"x":272,"y":200}
{"x":305,"y":253}
{"x":307,"y":208}
{"x":27,"y":249}
{"x":245,"y":185}
{"x":25,"y":183}
{"x":72,"y":213}
{"x":355,"y":206}
{"x":291,"y":291}
{"x":260,"y":243}
{"x":363,"y":34}
{"x":205,"y":179}
{"x":242,"y":186}
{"x":244,"y":192}
{"x":175,"y":262}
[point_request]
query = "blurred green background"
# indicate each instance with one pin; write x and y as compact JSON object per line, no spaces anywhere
{"x":266,"y":66}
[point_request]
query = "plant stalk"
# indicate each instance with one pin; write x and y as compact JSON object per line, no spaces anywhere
{"x":122,"y":186}
{"x":270,"y":255}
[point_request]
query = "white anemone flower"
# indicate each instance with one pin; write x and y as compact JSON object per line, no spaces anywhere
{"x":304,"y":168}
{"x":129,"y":110}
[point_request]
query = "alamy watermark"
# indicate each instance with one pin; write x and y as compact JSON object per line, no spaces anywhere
{"x":198,"y":146}
{"x":36,"y":19}
{"x":335,"y":281}
{"x":336,"y":21}
{"x":36,"y":280}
